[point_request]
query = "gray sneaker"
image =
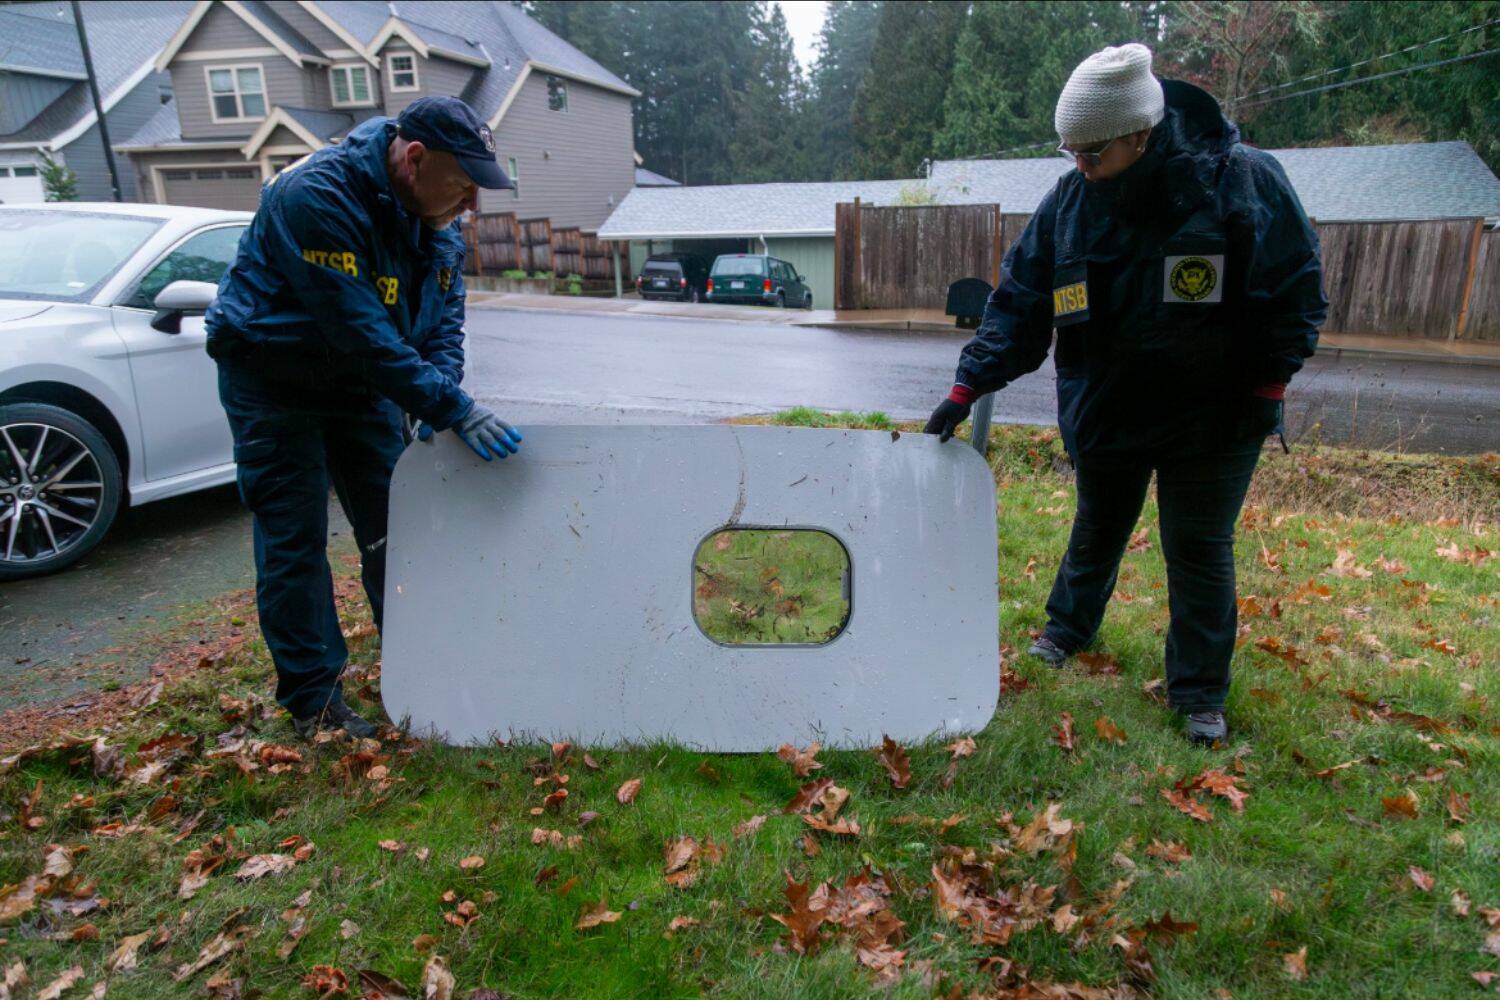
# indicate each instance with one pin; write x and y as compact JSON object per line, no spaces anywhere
{"x":1050,"y":652}
{"x":1207,"y":727}
{"x":337,"y":715}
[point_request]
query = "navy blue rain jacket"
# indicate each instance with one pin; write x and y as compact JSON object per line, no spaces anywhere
{"x":1176,"y":289}
{"x":333,"y":276}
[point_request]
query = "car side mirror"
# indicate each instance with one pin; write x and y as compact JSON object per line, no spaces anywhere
{"x":180,"y":298}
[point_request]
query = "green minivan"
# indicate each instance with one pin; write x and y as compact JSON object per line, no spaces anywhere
{"x":757,"y":279}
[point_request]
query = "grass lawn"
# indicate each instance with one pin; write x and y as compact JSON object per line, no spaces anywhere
{"x":1345,"y":843}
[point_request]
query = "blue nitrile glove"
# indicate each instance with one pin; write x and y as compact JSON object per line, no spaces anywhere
{"x":486,"y":433}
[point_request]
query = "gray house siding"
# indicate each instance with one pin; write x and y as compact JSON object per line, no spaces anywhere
{"x":285,"y":82}
{"x":576,"y":165}
{"x":221,"y":28}
{"x":85,"y":155}
{"x":435,"y":77}
{"x":24,"y":96}
{"x":310,"y":27}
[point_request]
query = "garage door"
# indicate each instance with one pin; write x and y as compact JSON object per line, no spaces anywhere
{"x":212,"y":187}
{"x":19,"y":183}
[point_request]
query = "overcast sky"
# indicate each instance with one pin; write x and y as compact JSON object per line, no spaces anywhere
{"x":803,"y":19}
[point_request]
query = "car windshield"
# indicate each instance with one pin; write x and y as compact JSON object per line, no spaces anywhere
{"x":668,"y":268}
{"x":64,"y":255}
{"x":739,"y":265}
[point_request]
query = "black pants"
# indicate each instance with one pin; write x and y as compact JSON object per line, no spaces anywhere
{"x":1199,"y":496}
{"x":291,"y":441}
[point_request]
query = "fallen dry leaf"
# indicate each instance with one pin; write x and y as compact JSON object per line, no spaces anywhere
{"x":1174,"y":851}
{"x":1191,"y":806}
{"x":596,"y":915}
{"x":1108,"y":731}
{"x":1406,"y":804}
{"x":1420,"y":878}
{"x":1295,"y":963}
{"x":472,"y":862}
{"x":1062,"y":733}
{"x":1458,"y":806}
{"x":127,"y":953}
{"x":437,"y":982}
{"x":628,"y":791}
{"x":1459,"y":901}
{"x":326,"y":980}
{"x":64,"y":982}
{"x":894,"y":759}
{"x":749,"y":826}
{"x":964,"y":747}
{"x":261,"y":865}
{"x":803,"y":920}
{"x":394,"y":846}
{"x":682,"y":923}
{"x":378,"y":986}
{"x":802,"y":761}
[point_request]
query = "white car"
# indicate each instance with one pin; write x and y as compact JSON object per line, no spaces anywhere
{"x":106,"y":393}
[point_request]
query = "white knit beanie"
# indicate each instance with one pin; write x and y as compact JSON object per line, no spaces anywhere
{"x":1111,"y":93}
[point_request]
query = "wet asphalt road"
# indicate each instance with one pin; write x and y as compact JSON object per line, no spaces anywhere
{"x":164,"y":560}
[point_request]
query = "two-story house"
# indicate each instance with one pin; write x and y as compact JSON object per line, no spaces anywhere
{"x":259,"y":84}
{"x":45,"y":105}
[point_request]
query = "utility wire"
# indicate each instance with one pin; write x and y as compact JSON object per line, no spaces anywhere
{"x":1373,"y":59}
{"x":1366,"y":79}
{"x":1311,"y":90}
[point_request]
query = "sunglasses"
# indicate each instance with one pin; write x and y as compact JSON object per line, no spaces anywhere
{"x":1093,"y":157}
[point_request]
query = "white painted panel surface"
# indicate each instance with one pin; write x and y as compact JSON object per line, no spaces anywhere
{"x":549,"y":595}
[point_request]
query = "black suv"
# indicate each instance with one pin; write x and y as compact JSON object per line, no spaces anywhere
{"x":682,"y":277}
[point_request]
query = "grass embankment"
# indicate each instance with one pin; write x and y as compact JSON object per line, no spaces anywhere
{"x":1365,"y":860}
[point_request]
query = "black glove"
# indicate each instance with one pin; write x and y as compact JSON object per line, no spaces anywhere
{"x":1259,"y":418}
{"x":946,"y":418}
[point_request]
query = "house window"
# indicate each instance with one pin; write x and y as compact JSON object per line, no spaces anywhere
{"x":351,"y":86}
{"x":401,"y":68}
{"x":26,"y":171}
{"x":557,"y":93}
{"x":514,"y":172}
{"x":236,"y":93}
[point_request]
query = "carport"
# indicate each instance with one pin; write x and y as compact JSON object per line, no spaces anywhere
{"x":794,"y":222}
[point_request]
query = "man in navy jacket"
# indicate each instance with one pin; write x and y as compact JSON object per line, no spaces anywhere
{"x":343,"y":309}
{"x":1182,"y":278}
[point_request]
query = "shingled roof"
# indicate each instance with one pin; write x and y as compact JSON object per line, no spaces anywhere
{"x":124,"y":38}
{"x":1421,"y":180}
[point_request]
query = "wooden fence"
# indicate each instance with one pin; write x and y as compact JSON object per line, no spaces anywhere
{"x":498,"y":242}
{"x":1434,"y":279}
{"x":905,"y":257}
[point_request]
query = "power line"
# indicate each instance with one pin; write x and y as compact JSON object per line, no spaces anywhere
{"x":1303,"y":93}
{"x":1373,"y":59}
{"x":1376,"y":76}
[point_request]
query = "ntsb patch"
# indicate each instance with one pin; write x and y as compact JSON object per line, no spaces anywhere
{"x":1193,"y":278}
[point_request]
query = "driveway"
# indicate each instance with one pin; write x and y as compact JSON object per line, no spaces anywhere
{"x":165,"y":560}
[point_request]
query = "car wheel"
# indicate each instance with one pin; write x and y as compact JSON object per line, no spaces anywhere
{"x":807,"y":302}
{"x":60,"y":489}
{"x":781,"y":300}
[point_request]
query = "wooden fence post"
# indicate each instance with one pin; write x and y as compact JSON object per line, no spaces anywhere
{"x":1461,"y":327}
{"x":999,"y":242}
{"x":856,"y":296}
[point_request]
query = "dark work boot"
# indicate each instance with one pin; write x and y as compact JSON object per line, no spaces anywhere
{"x":1050,"y":652}
{"x":337,"y":715}
{"x":1207,"y":727}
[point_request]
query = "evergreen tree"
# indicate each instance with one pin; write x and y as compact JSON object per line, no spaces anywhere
{"x":59,"y":182}
{"x":844,"y":46}
{"x":899,"y":106}
{"x":1457,"y":101}
{"x":1012,"y":61}
{"x":770,"y":133}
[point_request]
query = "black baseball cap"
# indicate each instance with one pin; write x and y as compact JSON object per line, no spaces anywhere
{"x":448,"y":125}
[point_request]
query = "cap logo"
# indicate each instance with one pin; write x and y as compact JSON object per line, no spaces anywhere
{"x":488,"y":137}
